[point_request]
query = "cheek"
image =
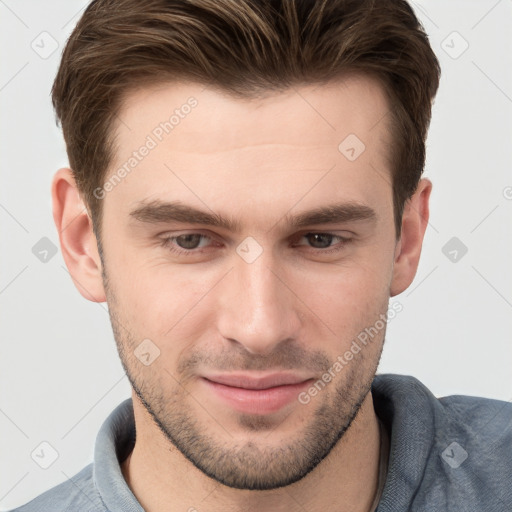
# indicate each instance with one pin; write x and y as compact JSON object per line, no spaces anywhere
{"x":347,"y":297}
{"x":161,"y":301}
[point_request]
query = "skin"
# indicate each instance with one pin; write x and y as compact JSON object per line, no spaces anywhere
{"x":296,"y":307}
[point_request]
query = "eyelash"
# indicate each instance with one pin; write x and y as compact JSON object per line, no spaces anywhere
{"x":167,"y":243}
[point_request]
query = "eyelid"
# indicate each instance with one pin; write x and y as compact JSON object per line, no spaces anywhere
{"x":167,"y":242}
{"x":342,"y":234}
{"x":335,"y":232}
{"x":343,"y":241}
{"x":176,"y":234}
{"x":167,"y":238}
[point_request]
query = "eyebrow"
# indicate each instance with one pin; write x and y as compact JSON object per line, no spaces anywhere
{"x":333,"y":214}
{"x":157,"y":212}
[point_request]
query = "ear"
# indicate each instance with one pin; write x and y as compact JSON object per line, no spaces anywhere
{"x":408,"y":248}
{"x":77,"y":239}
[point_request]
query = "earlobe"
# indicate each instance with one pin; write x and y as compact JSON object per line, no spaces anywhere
{"x":77,"y":240}
{"x":408,"y":249}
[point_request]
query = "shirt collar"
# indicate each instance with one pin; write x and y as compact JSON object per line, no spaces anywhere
{"x":404,"y":405}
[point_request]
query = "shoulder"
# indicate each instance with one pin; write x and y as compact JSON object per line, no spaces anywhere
{"x":483,"y":427}
{"x":453,"y":453}
{"x":77,"y":494}
{"x":472,"y":459}
{"x":469,"y":417}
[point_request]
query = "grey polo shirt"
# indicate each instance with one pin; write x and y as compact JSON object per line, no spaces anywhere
{"x":445,"y":454}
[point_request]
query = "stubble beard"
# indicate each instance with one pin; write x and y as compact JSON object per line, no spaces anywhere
{"x":248,"y":465}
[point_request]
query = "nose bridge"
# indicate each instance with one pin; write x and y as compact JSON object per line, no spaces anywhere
{"x":257,"y":310}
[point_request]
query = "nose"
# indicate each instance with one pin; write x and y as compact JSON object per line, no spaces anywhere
{"x":257,"y":309}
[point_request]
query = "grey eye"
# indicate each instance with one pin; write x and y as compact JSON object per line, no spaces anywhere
{"x":190,"y":241}
{"x":319,"y":240}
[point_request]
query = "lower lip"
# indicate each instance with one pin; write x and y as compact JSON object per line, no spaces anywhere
{"x":257,"y":401}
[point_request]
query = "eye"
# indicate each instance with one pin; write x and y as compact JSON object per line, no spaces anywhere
{"x":189,"y":241}
{"x":186,"y":243}
{"x":323,"y":242}
{"x":189,"y":244}
{"x":320,"y":240}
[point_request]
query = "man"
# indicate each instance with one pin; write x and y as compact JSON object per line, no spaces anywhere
{"x":245,"y":192}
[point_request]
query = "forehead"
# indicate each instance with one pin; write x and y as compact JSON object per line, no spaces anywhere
{"x":205,"y":143}
{"x":355,"y":104}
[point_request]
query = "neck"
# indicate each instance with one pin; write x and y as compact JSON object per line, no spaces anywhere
{"x":161,"y":478}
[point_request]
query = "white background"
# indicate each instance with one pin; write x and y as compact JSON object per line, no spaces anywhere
{"x":59,"y":370}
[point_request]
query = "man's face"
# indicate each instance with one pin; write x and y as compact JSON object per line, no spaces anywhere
{"x":274,"y":291}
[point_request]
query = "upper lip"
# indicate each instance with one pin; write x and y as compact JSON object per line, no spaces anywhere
{"x":243,"y":380}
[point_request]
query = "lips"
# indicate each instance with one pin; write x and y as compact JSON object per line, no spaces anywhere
{"x":262,"y":382}
{"x":256,"y":394}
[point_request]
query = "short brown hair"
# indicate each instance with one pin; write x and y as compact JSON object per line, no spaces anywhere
{"x":245,"y":47}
